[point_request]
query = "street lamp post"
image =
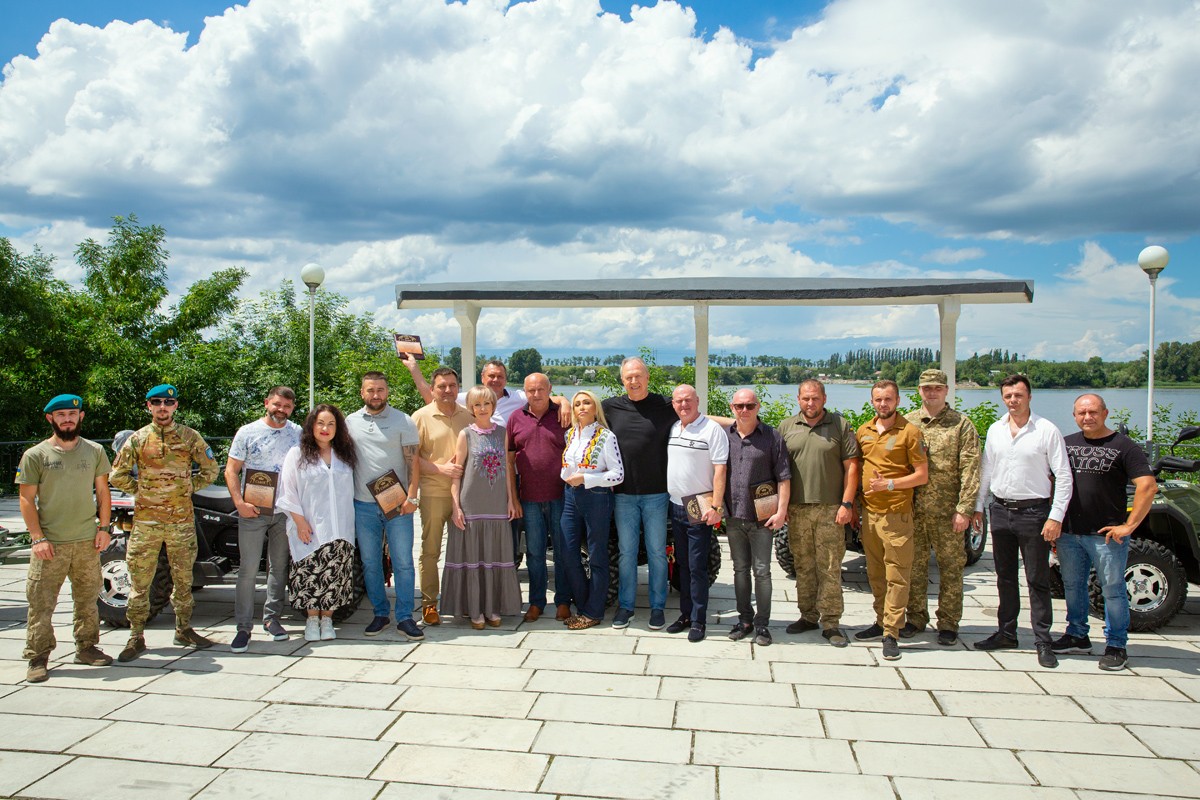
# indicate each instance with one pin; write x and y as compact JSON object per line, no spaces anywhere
{"x":313,"y":276}
{"x":1152,"y":260}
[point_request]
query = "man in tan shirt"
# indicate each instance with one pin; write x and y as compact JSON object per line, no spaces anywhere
{"x":438,"y":426}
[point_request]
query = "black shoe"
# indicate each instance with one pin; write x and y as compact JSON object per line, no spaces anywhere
{"x":1080,"y":645}
{"x":835,"y":637}
{"x":909,"y":630}
{"x":409,"y":630}
{"x":801,"y":626}
{"x":947,"y":638}
{"x":696,"y":634}
{"x":762,"y":637}
{"x":997,"y":641}
{"x":680,"y":625}
{"x":867,"y":634}
{"x":1114,"y":659}
{"x":241,"y":642}
{"x":376,"y":626}
{"x":891,"y":650}
{"x":1046,"y":657}
{"x":740,"y":631}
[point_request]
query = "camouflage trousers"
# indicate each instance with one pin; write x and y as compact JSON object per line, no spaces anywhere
{"x":142,"y":557}
{"x":818,"y":545}
{"x":888,"y":544}
{"x":80,"y":562}
{"x":935,"y":531}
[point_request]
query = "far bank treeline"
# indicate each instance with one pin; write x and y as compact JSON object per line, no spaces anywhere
{"x":115,"y":336}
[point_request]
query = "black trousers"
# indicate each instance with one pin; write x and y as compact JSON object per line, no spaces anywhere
{"x":1020,"y":533}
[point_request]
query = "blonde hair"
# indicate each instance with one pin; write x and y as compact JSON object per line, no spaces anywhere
{"x":595,"y":402}
{"x":477,"y":393}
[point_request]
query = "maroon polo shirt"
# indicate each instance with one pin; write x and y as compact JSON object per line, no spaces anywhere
{"x":537,"y":444}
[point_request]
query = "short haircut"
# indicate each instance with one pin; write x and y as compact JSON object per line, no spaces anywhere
{"x":495,"y":362}
{"x":477,"y":393}
{"x":811,"y":382}
{"x":442,"y":371}
{"x":282,"y":391}
{"x":630,"y":360}
{"x":373,"y":375}
{"x":1013,"y":380}
{"x":1099,"y":399}
{"x":886,"y":384}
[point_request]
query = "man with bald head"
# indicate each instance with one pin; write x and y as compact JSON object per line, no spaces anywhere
{"x":536,"y":439}
{"x":1097,"y":528}
{"x":757,"y":490}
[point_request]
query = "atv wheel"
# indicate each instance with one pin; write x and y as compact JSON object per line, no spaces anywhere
{"x":975,"y":541}
{"x":1156,"y":582}
{"x":783,"y":553}
{"x":116,"y":586}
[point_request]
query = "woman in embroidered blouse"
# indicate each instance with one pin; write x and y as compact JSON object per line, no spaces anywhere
{"x":317,"y":494}
{"x":480,"y":579}
{"x":591,"y":467}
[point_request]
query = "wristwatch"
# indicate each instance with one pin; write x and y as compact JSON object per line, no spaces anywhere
{"x":848,"y":505}
{"x":891,"y":485}
{"x":718,"y":509}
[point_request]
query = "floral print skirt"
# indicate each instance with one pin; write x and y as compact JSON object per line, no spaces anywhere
{"x":325,"y":579}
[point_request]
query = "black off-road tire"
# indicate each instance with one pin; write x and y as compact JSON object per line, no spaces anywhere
{"x":783,"y":553}
{"x":714,"y":564}
{"x":1057,"y":591}
{"x":1155,"y":581}
{"x":113,"y":600}
{"x":975,"y":542}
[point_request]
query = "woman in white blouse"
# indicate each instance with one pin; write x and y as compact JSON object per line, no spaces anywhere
{"x":317,"y":493}
{"x":591,"y":467}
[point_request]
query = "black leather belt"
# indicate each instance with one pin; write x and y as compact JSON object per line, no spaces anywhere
{"x":1021,"y":505}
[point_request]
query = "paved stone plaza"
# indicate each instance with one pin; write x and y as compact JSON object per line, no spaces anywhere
{"x":535,"y":711}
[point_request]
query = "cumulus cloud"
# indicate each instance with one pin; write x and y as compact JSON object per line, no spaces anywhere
{"x":951,"y":255}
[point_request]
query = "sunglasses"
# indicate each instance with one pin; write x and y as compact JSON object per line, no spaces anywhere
{"x":158,"y":401}
{"x":744,"y":406}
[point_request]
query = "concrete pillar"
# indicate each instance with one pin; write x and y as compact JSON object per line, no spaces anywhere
{"x":467,"y":315}
{"x":948,"y":311}
{"x":700,"y":311}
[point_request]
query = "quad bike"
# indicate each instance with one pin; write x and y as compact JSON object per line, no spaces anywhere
{"x":1164,"y":555}
{"x":217,"y":555}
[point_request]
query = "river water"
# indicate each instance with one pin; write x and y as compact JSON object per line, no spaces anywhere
{"x":1053,"y":404}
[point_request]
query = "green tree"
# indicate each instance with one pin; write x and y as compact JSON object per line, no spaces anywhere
{"x":523,"y":362}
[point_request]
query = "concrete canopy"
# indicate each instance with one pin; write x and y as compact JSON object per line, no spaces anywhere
{"x":468,"y":299}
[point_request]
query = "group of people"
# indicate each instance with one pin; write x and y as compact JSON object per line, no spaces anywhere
{"x":484,"y":464}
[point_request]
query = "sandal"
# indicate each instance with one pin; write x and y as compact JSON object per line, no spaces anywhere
{"x":477,"y":625}
{"x":493,"y":623}
{"x":582,"y":623}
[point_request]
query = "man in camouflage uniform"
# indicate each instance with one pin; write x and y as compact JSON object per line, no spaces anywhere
{"x":162,"y":454}
{"x":942,"y":509}
{"x":57,"y":478}
{"x":823,"y":455}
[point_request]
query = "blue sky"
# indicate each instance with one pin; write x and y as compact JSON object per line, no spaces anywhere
{"x":419,"y":141}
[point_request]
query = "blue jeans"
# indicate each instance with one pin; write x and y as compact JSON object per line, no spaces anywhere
{"x":692,"y":543}
{"x":1077,"y":555}
{"x":544,"y":520}
{"x":637,"y":514}
{"x":369,"y":527}
{"x":587,"y":512}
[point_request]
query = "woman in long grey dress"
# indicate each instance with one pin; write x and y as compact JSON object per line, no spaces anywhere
{"x":480,"y":578}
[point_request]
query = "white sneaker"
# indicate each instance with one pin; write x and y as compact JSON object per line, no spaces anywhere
{"x":312,"y":629}
{"x":327,"y":629}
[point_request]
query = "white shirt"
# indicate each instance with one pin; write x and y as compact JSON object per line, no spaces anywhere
{"x":1020,"y":467}
{"x":506,"y":404}
{"x":691,"y":454}
{"x":323,"y":495}
{"x":593,"y":451}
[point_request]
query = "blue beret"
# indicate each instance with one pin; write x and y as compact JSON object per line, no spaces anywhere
{"x":163,"y":390}
{"x":64,"y":402}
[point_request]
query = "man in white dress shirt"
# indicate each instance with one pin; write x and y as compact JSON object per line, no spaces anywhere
{"x":1027,"y":473}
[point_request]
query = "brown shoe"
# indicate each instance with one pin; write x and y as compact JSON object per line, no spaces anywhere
{"x":581,"y":623}
{"x":189,"y":638}
{"x":564,"y":612}
{"x":38,"y":672}
{"x":93,"y":656}
{"x":430,"y":615}
{"x":494,"y":623}
{"x":133,"y":648}
{"x":477,"y":625}
{"x":532,"y":614}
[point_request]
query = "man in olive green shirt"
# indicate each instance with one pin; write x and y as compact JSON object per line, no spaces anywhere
{"x":57,"y":478}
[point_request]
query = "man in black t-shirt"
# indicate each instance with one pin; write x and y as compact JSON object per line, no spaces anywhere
{"x":642,"y":421}
{"x":1097,"y":527}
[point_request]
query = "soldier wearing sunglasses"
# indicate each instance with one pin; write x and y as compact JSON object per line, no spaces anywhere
{"x":155,"y":465}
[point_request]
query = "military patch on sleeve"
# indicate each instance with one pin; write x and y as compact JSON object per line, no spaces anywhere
{"x":208,"y":452}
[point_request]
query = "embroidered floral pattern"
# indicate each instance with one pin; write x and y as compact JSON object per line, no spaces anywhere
{"x":488,"y":458}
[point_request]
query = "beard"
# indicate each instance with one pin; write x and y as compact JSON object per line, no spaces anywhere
{"x":66,"y":435}
{"x":888,"y":415}
{"x":279,"y":419}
